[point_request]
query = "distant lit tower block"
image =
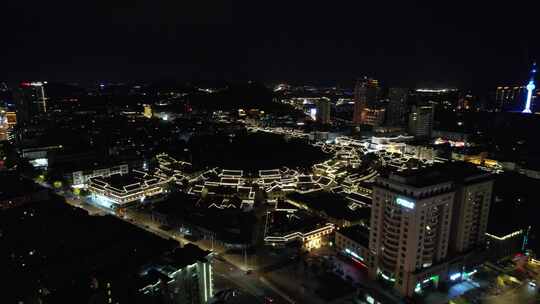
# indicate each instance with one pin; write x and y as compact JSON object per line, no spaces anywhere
{"x":148,"y":113}
{"x":421,"y":121}
{"x":530,"y":89}
{"x":365,"y":95}
{"x":30,"y":100}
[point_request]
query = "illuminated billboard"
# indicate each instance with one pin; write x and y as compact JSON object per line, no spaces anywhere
{"x":405,"y":203}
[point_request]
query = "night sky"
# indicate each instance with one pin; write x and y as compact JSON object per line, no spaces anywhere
{"x":400,"y":42}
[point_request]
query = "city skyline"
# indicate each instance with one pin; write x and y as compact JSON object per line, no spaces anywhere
{"x":220,"y":152}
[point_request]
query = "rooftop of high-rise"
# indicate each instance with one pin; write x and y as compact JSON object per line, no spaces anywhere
{"x":457,"y":172}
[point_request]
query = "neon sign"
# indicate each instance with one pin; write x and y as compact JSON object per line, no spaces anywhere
{"x":405,"y":203}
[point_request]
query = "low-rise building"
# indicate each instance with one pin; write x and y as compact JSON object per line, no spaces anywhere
{"x":284,"y":226}
{"x":421,"y":151}
{"x":81,"y":177}
{"x":507,"y":231}
{"x":121,"y":190}
{"x":197,"y":218}
{"x":184,"y":274}
{"x":505,"y":245}
{"x":336,"y":208}
{"x":462,"y":138}
{"x":353,"y":242}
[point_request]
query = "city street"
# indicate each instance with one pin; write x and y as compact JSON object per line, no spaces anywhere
{"x":228,"y":269}
{"x":524,"y":294}
{"x":227,"y":275}
{"x":272,"y":276}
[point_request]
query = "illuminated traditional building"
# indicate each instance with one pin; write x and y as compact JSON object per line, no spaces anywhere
{"x":117,"y":190}
{"x":286,"y":224}
{"x":81,"y":177}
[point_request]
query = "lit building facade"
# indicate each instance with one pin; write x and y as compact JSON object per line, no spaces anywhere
{"x":508,"y":97}
{"x":373,"y":117}
{"x":353,"y":242}
{"x":365,"y":95}
{"x":397,"y":106}
{"x":4,"y":126}
{"x":471,"y":211}
{"x":287,"y":224}
{"x":421,"y":121}
{"x":447,"y":98}
{"x":186,"y":277}
{"x":30,"y":100}
{"x":410,"y":229}
{"x":309,"y":237}
{"x":324,"y":111}
{"x":148,"y":112}
{"x":426,"y":223}
{"x":116,"y":191}
{"x":81,"y":177}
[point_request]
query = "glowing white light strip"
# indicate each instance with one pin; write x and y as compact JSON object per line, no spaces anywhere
{"x":504,"y":237}
{"x":435,"y":90}
{"x":204,"y":282}
{"x":347,"y":250}
{"x":405,"y":203}
{"x":326,"y":229}
{"x":210,"y":279}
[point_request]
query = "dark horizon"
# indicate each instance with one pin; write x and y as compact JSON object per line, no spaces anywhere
{"x":469,"y":46}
